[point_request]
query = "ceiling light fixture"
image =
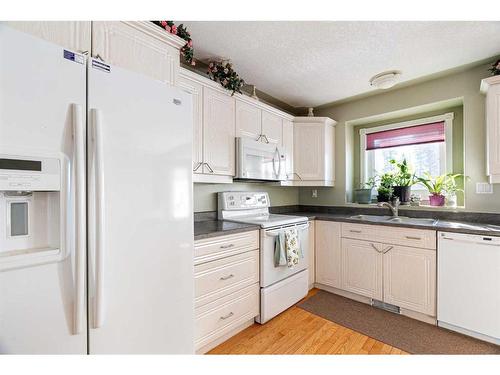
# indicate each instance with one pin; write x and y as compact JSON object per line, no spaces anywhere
{"x":385,"y":80}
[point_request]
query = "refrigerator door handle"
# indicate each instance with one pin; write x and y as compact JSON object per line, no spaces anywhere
{"x":99,"y":218}
{"x":80,"y":220}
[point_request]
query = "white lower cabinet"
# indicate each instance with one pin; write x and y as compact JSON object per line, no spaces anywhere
{"x":227,"y":291}
{"x":312,"y":254}
{"x":400,"y":271}
{"x":328,"y":253}
{"x":361,"y":269}
{"x":410,"y":279}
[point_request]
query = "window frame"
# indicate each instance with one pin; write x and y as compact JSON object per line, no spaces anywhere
{"x":448,"y":143}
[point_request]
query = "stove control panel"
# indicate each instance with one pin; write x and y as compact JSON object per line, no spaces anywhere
{"x":242,"y":200}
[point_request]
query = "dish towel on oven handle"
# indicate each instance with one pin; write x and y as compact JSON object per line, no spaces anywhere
{"x":292,"y":247}
{"x":279,"y":250}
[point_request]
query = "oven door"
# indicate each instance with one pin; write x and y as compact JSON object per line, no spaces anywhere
{"x":269,"y":274}
{"x":259,"y":161}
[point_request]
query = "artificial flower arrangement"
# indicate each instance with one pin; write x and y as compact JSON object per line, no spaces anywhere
{"x":495,"y":68}
{"x":224,"y":73}
{"x":187,"y":51}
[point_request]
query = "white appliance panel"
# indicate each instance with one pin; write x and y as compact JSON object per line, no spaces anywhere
{"x":146,"y":281}
{"x":259,"y":161}
{"x":469,"y":284}
{"x":38,"y":89}
{"x":269,"y":274}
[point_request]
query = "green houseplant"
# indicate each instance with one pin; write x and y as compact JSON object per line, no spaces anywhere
{"x":439,"y":186}
{"x":404,"y":178}
{"x":385,"y":187}
{"x":363,"y":195}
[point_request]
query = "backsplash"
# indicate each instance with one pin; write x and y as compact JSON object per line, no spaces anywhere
{"x":205,"y":195}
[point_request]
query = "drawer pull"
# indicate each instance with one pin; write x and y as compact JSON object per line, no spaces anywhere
{"x":388,"y":249}
{"x":354,"y":231}
{"x":227,"y":246}
{"x":413,"y":238}
{"x":227,"y":316}
{"x":223,"y":278}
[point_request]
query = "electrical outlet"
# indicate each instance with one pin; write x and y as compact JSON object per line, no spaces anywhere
{"x":314,"y":193}
{"x":484,"y":188}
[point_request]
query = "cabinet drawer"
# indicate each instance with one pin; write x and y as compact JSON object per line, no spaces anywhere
{"x":224,"y":276}
{"x":219,"y":247}
{"x":217,"y":318}
{"x":421,"y":238}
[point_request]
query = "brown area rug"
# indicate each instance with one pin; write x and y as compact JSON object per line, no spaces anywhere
{"x":404,"y":333}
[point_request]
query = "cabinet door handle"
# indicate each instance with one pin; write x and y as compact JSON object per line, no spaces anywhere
{"x":388,"y":249}
{"x":227,"y":316}
{"x":375,"y":247}
{"x":354,"y":231}
{"x":267,"y":140}
{"x":413,"y":238}
{"x":227,"y":246}
{"x":209,"y":168}
{"x":197,"y":166}
{"x":224,"y":278}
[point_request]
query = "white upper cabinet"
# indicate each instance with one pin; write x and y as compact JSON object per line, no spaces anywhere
{"x":314,"y":157}
{"x":491,"y":87}
{"x":138,"y":46}
{"x":272,"y":127}
{"x":73,"y":35}
{"x":287,"y":143}
{"x":196,"y":90}
{"x":248,"y":120}
{"x":218,"y":132}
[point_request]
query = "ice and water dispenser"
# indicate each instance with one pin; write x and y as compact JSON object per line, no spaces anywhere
{"x":32,"y":197}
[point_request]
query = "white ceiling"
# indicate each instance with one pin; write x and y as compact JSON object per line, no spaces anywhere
{"x":313,"y":63}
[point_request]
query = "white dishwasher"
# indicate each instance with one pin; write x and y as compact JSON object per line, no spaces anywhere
{"x":469,"y":285}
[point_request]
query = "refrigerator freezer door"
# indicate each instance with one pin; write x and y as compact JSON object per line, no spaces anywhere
{"x":42,"y":298}
{"x":141,"y":283}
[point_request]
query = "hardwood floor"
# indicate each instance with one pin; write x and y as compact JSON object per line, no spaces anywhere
{"x":297,"y":331}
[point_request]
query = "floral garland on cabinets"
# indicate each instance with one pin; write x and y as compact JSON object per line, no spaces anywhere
{"x":224,"y":73}
{"x":187,"y":51}
{"x":495,"y":68}
{"x":221,"y":71}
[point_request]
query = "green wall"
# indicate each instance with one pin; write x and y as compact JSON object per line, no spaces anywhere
{"x":205,"y":195}
{"x":427,"y":96}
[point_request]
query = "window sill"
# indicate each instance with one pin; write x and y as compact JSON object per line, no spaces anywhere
{"x":422,"y":207}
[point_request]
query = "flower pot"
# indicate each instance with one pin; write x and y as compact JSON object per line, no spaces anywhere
{"x":436,"y":200}
{"x":403,"y":193}
{"x":383,"y":197}
{"x":451,"y":201}
{"x":363,"y":196}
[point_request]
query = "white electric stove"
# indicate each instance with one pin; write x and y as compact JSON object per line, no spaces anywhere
{"x":281,"y":287}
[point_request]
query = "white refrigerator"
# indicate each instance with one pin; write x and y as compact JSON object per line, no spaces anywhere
{"x":96,"y":226}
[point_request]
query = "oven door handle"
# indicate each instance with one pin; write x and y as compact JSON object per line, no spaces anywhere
{"x":276,"y":232}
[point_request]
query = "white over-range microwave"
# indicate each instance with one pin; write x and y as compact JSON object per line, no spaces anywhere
{"x":257,"y":160}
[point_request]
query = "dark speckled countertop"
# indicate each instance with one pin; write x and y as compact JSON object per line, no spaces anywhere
{"x":468,"y":223}
{"x":214,"y":228}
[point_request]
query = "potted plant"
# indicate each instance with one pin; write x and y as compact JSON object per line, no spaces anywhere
{"x":385,"y":188}
{"x":403,"y":180}
{"x":363,"y":195}
{"x":451,"y":189}
{"x":439,"y":186}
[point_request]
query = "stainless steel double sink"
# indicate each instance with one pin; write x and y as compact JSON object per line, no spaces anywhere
{"x":395,"y":220}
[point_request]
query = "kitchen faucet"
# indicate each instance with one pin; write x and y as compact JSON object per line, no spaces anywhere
{"x":394,"y":207}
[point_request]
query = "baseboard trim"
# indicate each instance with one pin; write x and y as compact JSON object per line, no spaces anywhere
{"x":356,"y":297}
